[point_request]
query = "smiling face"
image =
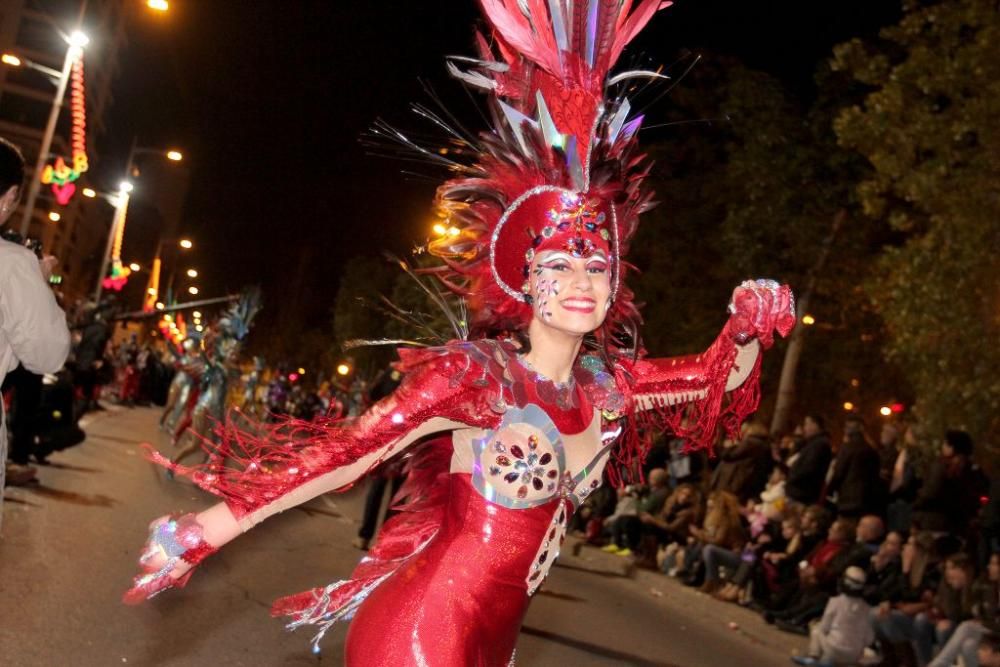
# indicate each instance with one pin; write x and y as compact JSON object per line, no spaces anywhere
{"x":570,"y":294}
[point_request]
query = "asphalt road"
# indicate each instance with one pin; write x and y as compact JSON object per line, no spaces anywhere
{"x":69,"y":547}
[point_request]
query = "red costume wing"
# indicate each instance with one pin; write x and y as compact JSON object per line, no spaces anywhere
{"x":273,"y":467}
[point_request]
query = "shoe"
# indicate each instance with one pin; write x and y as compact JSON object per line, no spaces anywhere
{"x":709,"y":587}
{"x":624,"y":552}
{"x":18,"y":474}
{"x":611,"y":548}
{"x":729,"y":593}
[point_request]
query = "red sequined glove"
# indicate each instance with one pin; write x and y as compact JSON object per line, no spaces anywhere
{"x":759,"y":307}
{"x":172,"y":539}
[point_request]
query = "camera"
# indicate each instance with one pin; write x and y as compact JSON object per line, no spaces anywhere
{"x":34,"y":245}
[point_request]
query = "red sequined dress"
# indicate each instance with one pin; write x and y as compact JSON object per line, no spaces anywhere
{"x":500,"y":458}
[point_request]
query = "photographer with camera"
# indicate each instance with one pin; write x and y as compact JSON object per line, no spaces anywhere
{"x":33,"y":331}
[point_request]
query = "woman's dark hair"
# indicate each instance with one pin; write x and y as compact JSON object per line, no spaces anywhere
{"x":818,"y":420}
{"x":11,"y":166}
{"x":960,"y":441}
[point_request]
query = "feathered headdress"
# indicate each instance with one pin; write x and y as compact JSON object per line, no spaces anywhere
{"x":560,"y":167}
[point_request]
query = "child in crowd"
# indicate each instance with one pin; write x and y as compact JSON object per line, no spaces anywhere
{"x":842,"y":634}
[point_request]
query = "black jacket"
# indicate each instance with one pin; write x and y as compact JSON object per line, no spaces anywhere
{"x":807,"y":474}
{"x":856,"y":479}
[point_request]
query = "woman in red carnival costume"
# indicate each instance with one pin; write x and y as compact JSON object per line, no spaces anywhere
{"x":511,"y":430}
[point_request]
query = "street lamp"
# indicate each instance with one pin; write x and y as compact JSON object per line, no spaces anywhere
{"x":158,"y":5}
{"x":54,"y":216}
{"x":77,"y":40}
{"x":193,"y":291}
{"x":175,"y":156}
{"x":134,"y":267}
{"x":89,"y":193}
{"x":186,"y":244}
{"x":192,"y":273}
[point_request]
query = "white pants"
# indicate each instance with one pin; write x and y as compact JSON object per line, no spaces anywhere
{"x":819,"y":647}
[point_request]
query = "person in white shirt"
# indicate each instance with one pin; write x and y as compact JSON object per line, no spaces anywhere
{"x":33,"y":329}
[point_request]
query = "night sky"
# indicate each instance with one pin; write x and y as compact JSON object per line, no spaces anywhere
{"x":268,"y":100}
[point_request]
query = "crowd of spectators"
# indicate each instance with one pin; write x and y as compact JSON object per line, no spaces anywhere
{"x":877,"y":554}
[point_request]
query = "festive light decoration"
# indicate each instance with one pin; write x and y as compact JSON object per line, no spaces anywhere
{"x":119,"y":272}
{"x":61,"y":175}
{"x":153,"y":290}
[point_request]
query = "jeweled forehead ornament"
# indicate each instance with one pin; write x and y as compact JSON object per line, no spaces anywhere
{"x":565,"y":220}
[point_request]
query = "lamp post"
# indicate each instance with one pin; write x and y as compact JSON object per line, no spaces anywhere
{"x":77,"y":40}
{"x":153,"y":288}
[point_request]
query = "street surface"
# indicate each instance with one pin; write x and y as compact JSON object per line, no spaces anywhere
{"x":70,"y":544}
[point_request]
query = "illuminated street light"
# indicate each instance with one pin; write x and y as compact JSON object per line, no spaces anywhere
{"x":192,"y":273}
{"x":176,"y":156}
{"x":10,"y":59}
{"x":885,"y":411}
{"x":197,"y":314}
{"x":54,"y":217}
{"x":135,"y":267}
{"x":125,"y":186}
{"x":808,"y":320}
{"x":158,"y":5}
{"x":199,"y":328}
{"x":78,"y":39}
{"x":186,"y":244}
{"x":343,"y":369}
{"x":159,"y":306}
{"x":848,"y":406}
{"x":89,"y":193}
{"x":192,"y":290}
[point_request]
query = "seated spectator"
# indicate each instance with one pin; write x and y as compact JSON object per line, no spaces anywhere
{"x":766,"y":548}
{"x":627,"y":530}
{"x":844,"y":630}
{"x":809,"y":597}
{"x":723,"y":527}
{"x":911,"y":627}
{"x":807,"y":468}
{"x":778,"y":579}
{"x":966,"y":638}
{"x":885,"y":570}
{"x":744,"y":466}
{"x":669,"y":526}
{"x":856,"y":481}
{"x":867,"y":537}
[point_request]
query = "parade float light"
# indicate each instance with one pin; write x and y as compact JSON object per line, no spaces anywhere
{"x":302,"y":371}
{"x":158,"y":5}
{"x":808,"y":320}
{"x":293,"y":377}
{"x":440,"y":229}
{"x":897,"y":408}
{"x":54,"y":217}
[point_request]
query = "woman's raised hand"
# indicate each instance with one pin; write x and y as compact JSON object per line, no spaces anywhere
{"x":759,"y":308}
{"x":174,"y":547}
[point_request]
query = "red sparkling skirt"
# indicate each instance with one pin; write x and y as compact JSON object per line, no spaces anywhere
{"x":461,"y":600}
